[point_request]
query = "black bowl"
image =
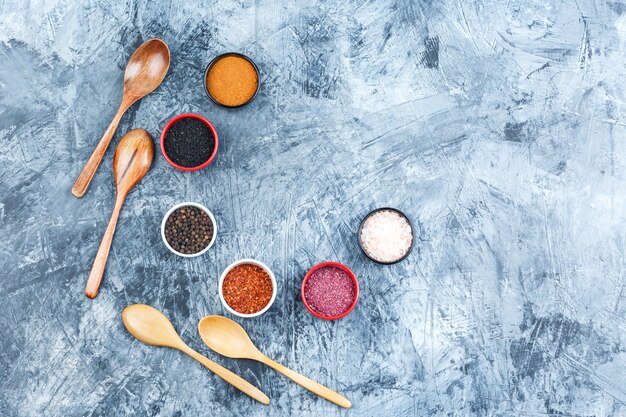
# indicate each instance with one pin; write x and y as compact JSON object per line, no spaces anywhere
{"x":217,"y":58}
{"x":401,"y":214}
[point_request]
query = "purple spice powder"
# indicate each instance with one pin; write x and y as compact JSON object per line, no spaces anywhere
{"x":329,"y":291}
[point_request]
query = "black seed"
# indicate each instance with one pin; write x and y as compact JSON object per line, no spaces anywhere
{"x":189,"y":143}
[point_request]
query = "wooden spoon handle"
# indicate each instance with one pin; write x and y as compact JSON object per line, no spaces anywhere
{"x":307,"y":383}
{"x":86,"y":175}
{"x":228,"y":376}
{"x":97,"y":270}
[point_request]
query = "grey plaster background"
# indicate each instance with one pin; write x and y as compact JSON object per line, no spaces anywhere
{"x":497,"y":126}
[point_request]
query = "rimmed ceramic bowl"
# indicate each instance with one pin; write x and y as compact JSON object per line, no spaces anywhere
{"x":253,"y":262}
{"x":343,"y":268}
{"x":237,"y":54}
{"x":201,"y":207}
{"x":203,"y":120}
{"x":361,"y":229}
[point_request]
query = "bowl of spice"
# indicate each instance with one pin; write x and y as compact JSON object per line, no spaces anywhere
{"x":189,"y":142}
{"x":232,"y":80}
{"x":188,"y":229}
{"x":330,"y":291}
{"x":247,"y":288}
{"x":386,"y":236}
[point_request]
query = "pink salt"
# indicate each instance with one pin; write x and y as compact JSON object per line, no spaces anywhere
{"x":329,"y":291}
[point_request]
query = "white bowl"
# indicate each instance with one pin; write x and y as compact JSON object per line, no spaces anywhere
{"x":201,"y":207}
{"x":253,"y":262}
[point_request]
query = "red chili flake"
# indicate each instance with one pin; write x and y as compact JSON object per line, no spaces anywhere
{"x":329,"y":291}
{"x":247,"y":288}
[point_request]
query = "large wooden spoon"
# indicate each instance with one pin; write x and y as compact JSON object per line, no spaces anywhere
{"x":228,"y":338}
{"x":151,"y":327}
{"x":131,"y":162}
{"x":145,"y":71}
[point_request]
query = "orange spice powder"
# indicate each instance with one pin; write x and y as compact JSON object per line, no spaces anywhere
{"x":232,"y":80}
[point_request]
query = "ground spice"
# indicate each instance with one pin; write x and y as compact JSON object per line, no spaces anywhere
{"x":189,"y":230}
{"x":232,"y":81}
{"x":329,"y":291}
{"x":247,"y":288}
{"x":189,"y":142}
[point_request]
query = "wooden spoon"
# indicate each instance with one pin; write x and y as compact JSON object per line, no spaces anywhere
{"x":144,"y":72}
{"x":228,"y":338}
{"x":151,"y":327}
{"x":131,"y":162}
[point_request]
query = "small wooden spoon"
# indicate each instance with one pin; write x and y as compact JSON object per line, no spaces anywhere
{"x":150,"y":326}
{"x":131,"y":162}
{"x":228,"y":338}
{"x":145,"y":71}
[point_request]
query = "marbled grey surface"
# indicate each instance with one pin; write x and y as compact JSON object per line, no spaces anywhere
{"x":497,"y":126}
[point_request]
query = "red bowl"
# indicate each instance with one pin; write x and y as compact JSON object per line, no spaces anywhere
{"x":192,"y":116}
{"x":343,"y":268}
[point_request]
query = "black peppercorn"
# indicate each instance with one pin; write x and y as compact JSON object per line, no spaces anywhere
{"x":189,"y":230}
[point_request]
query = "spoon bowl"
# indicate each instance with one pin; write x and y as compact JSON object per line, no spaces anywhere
{"x":132,"y":160}
{"x":150,"y":326}
{"x":228,"y":338}
{"x":146,"y":68}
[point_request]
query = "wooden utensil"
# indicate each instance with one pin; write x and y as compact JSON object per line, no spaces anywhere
{"x":131,"y":162}
{"x":151,"y":327}
{"x":144,"y":72}
{"x":228,"y":338}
